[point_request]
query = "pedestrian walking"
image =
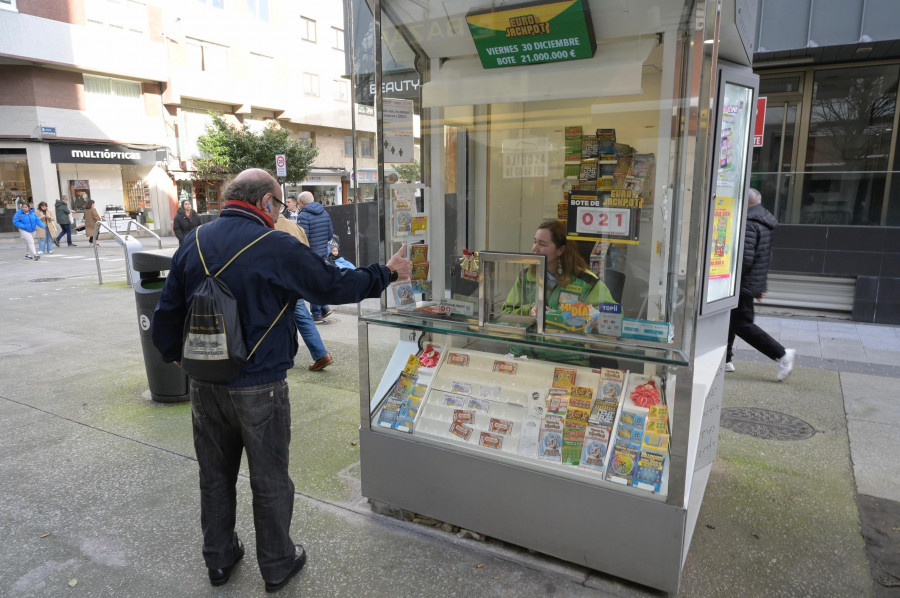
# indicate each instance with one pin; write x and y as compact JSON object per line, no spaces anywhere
{"x":91,"y":218}
{"x":316,"y":223}
{"x":754,"y":284}
{"x":322,"y":358}
{"x":185,"y":220}
{"x":27,"y":222}
{"x":252,"y":413}
{"x":46,"y":239}
{"x":64,"y":218}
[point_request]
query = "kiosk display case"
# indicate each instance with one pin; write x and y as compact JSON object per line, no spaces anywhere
{"x":504,"y":385}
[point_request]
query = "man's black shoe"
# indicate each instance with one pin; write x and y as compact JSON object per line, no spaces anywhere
{"x":325,"y":314}
{"x":219,"y":577}
{"x":299,"y":561}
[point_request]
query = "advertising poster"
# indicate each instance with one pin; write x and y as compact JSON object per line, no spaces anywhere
{"x":398,"y":130}
{"x":720,"y":262}
{"x":612,"y":215}
{"x":79,"y":193}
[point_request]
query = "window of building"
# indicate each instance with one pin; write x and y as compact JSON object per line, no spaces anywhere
{"x":310,"y":85}
{"x":194,"y":120}
{"x":338,"y":38}
{"x":308,"y":29}
{"x":7,"y":4}
{"x":259,"y":9}
{"x":107,"y":94}
{"x":206,"y":56}
{"x":348,"y":145}
{"x":365,"y":147}
{"x":263,"y":66}
{"x":16,"y":187}
{"x":123,"y":15}
{"x":341,"y":90}
{"x":848,"y":148}
{"x":307,"y":136}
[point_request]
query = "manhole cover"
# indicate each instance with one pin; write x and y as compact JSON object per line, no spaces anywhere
{"x":45,"y":279}
{"x":763,"y":423}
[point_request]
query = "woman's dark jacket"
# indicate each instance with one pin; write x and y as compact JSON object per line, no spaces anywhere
{"x":182,"y":225}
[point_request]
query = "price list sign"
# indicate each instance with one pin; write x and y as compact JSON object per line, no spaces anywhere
{"x":532,"y":33}
{"x":604,"y":216}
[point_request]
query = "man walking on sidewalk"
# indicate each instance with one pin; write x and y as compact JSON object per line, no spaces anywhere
{"x":316,"y":223}
{"x":754,"y":283}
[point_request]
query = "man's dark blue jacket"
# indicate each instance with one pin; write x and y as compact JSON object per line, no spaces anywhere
{"x":316,"y":222}
{"x":262,"y":283}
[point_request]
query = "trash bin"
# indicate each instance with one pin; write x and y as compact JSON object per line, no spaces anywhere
{"x":168,"y":382}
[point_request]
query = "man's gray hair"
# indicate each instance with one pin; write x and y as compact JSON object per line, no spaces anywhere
{"x":250,"y":189}
{"x":305,"y":197}
{"x":753,"y":197}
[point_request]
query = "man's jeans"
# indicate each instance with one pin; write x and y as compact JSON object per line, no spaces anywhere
{"x":226,"y":421}
{"x":318,"y":310}
{"x":308,"y":331}
{"x":67,"y":231}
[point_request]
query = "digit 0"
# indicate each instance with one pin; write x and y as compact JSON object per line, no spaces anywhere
{"x":587,"y":219}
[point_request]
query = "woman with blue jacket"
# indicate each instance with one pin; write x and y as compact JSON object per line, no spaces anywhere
{"x":27,"y":222}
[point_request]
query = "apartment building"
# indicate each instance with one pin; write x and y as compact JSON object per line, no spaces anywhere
{"x":105,"y":99}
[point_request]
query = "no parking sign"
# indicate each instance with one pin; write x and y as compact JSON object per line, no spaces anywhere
{"x":280,"y":165}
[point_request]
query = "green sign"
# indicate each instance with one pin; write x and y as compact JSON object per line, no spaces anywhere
{"x":532,"y":33}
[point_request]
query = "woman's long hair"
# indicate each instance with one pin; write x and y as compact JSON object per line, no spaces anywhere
{"x":571,"y":261}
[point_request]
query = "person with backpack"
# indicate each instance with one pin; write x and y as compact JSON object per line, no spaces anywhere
{"x":316,"y":223}
{"x":251,"y":412}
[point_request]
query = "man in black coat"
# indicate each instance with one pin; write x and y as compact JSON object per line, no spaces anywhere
{"x":754,"y":274}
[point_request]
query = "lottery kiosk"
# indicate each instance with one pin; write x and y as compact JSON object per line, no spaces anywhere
{"x":569,"y":406}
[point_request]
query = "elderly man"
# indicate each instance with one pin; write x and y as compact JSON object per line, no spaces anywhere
{"x":316,"y":223}
{"x":754,"y":283}
{"x":252,"y":413}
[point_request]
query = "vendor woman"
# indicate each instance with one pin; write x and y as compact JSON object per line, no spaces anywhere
{"x":568,"y":279}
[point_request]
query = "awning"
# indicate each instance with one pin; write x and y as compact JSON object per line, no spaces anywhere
{"x":614,"y":70}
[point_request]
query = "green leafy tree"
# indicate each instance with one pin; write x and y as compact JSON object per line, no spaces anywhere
{"x":408,"y":173}
{"x":226,"y":150}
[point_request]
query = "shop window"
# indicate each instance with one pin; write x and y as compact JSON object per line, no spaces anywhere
{"x":338,"y":38}
{"x":15,"y":185}
{"x":107,"y":94}
{"x":341,"y":90}
{"x":365,"y":147}
{"x":7,"y":4}
{"x":307,"y":29}
{"x":123,"y":15}
{"x":848,"y":148}
{"x":259,"y":9}
{"x":206,"y":56}
{"x":348,"y":145}
{"x":310,"y":85}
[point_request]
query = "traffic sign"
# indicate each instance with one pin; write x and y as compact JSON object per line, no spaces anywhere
{"x":280,"y":165}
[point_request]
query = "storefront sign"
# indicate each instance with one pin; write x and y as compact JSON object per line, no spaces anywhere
{"x":100,"y":154}
{"x":394,"y":84}
{"x":604,"y":216}
{"x":760,"y":123}
{"x":532,"y":33}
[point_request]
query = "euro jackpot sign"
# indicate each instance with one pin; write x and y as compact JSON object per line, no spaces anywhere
{"x":532,"y":33}
{"x":612,"y":215}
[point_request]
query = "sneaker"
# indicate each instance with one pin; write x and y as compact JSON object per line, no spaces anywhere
{"x":40,"y":252}
{"x":327,"y":313}
{"x":28,"y":256}
{"x":729,"y":366}
{"x":37,"y":257}
{"x":786,"y":364}
{"x":319,"y":320}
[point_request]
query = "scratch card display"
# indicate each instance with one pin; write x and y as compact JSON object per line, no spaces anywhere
{"x":403,"y":294}
{"x":494,"y":441}
{"x":418,"y":253}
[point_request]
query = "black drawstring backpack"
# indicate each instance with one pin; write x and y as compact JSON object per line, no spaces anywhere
{"x":214,"y":349}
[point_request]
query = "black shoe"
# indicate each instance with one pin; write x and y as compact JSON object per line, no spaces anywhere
{"x":299,"y":561}
{"x":56,"y":241}
{"x":325,"y":314}
{"x":219,"y":577}
{"x":72,"y":245}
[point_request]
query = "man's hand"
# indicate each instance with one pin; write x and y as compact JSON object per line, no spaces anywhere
{"x":400,"y":263}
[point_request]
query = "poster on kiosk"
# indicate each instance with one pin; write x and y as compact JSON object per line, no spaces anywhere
{"x":574,"y":226}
